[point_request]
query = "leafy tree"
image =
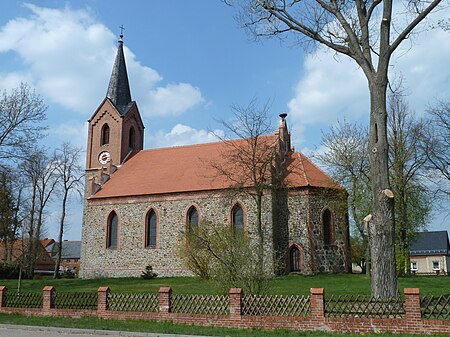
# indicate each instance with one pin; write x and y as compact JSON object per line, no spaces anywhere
{"x":407,"y":160}
{"x":346,"y":159}
{"x":226,"y":256}
{"x":369,"y":34}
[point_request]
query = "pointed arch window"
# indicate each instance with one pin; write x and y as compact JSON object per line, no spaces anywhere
{"x":327,"y":223}
{"x":192,"y":218}
{"x":112,"y":231}
{"x":295,"y":259}
{"x":151,"y":229}
{"x":132,"y":138}
{"x":237,"y":218}
{"x":105,"y":134}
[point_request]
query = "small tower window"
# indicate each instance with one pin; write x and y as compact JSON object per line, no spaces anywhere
{"x":132,"y":138}
{"x":112,"y":231}
{"x":151,"y":229}
{"x":192,"y":218}
{"x":105,"y":135}
{"x":237,"y":219}
{"x":327,"y":223}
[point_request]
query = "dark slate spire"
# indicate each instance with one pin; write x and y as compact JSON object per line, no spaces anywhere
{"x":119,"y":88}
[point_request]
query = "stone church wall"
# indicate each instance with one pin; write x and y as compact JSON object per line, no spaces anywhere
{"x":131,"y":256}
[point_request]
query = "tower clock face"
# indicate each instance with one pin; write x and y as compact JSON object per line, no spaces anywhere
{"x":104,"y":157}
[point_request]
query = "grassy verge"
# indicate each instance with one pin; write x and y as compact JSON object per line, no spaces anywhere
{"x":168,"y":328}
{"x":283,"y":285}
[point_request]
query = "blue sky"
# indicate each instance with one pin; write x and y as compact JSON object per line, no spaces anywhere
{"x":188,"y":61}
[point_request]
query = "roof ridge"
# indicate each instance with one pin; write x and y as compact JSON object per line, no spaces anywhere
{"x":200,"y":144}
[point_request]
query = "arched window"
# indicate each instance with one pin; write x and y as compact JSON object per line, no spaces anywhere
{"x":112,"y":231}
{"x":150,"y":240}
{"x":294,"y":259}
{"x":192,"y":218}
{"x":237,"y":219}
{"x":105,"y":135}
{"x":327,"y":223}
{"x":132,"y":138}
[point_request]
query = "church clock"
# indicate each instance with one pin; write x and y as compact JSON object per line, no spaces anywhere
{"x":104,"y":157}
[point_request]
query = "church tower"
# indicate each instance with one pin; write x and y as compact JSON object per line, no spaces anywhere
{"x":116,"y":130}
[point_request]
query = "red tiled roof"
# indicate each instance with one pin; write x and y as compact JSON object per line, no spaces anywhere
{"x":189,"y":169}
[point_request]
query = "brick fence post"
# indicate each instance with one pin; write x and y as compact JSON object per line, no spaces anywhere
{"x":236,"y":295}
{"x":165,"y":300}
{"x":412,"y":305}
{"x":102,"y":300}
{"x":48,"y":297}
{"x":317,"y":304}
{"x":2,"y":297}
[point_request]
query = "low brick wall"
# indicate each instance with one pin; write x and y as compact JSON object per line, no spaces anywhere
{"x":315,"y":319}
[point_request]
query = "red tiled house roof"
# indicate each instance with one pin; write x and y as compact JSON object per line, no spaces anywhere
{"x":189,"y":169}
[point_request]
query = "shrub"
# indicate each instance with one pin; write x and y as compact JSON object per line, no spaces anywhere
{"x":148,"y":273}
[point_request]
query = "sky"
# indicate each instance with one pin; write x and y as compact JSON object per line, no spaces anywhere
{"x":188,"y":63}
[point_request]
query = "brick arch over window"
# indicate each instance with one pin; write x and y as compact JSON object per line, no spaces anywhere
{"x":327,"y":226}
{"x":151,"y":229}
{"x":238,"y":218}
{"x":112,"y":231}
{"x":295,"y":258}
{"x":192,"y":218}
{"x":132,"y":138}
{"x":104,"y":137}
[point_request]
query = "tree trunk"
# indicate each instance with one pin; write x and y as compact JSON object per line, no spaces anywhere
{"x":259,"y":195}
{"x":60,"y":236}
{"x":381,"y":228}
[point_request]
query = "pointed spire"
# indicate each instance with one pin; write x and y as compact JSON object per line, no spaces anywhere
{"x":119,"y":88}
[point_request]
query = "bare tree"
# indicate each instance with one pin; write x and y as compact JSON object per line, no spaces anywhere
{"x":41,"y":172}
{"x":70,"y":174}
{"x":368,"y":33}
{"x":250,"y":159}
{"x":21,"y":113}
{"x":438,"y":145}
{"x":346,"y":159}
{"x":407,"y":160}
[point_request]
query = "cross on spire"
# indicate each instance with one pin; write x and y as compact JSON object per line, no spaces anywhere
{"x":122,"y":28}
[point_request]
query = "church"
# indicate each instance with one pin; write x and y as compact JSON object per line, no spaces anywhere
{"x":140,"y":203}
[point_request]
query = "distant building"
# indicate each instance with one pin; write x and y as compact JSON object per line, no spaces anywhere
{"x":44,"y":263}
{"x":430,"y":253}
{"x":70,"y":254}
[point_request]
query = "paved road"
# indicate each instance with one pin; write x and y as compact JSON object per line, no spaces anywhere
{"x":7,"y":330}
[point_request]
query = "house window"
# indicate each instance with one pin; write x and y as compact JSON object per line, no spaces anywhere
{"x":414,"y":266}
{"x":112,"y":230}
{"x":192,"y":218}
{"x":294,"y":259}
{"x":237,"y":219}
{"x":132,"y":138}
{"x":105,"y":135}
{"x":436,"y":265}
{"x":327,"y":223}
{"x":151,"y":229}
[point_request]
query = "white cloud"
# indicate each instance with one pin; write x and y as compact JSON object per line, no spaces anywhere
{"x":172,"y":99}
{"x":74,"y":131}
{"x":333,"y":86}
{"x":68,"y":57}
{"x":184,"y":135}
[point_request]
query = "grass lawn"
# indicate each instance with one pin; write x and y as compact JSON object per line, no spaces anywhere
{"x":283,"y":285}
{"x":168,"y":328}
